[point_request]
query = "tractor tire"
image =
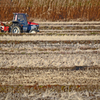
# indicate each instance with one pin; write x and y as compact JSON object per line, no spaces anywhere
{"x":32,"y":31}
{"x":16,"y":30}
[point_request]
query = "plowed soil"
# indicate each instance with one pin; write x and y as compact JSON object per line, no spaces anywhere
{"x":49,"y":61}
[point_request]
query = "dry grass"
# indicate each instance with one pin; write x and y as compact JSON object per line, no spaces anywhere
{"x":52,"y":10}
{"x":49,"y":92}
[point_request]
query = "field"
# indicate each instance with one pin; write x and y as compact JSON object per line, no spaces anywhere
{"x":51,"y":65}
{"x":52,"y":10}
{"x":62,"y":61}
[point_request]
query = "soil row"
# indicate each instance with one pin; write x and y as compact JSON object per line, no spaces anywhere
{"x":56,"y":33}
{"x":42,"y":76}
{"x":48,"y":38}
{"x":49,"y":46}
{"x":50,"y":92}
{"x":49,"y":60}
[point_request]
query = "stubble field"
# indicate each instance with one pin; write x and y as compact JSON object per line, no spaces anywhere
{"x":50,"y":67}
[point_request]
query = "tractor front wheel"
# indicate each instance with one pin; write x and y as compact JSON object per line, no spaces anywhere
{"x":15,"y":30}
{"x":32,"y":31}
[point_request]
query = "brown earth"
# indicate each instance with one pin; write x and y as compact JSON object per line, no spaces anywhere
{"x":63,"y":61}
{"x":46,"y":55}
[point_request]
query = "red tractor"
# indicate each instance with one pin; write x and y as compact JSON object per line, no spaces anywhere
{"x":20,"y":24}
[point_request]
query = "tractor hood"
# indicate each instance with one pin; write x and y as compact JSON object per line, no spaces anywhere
{"x":31,"y":23}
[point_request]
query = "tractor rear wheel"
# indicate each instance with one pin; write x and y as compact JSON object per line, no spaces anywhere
{"x":15,"y":30}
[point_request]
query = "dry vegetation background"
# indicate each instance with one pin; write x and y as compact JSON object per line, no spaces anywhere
{"x":52,"y":10}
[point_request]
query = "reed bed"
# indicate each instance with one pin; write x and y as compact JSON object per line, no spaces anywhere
{"x":52,"y":10}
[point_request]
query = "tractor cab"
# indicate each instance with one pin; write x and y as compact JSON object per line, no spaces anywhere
{"x":20,"y":18}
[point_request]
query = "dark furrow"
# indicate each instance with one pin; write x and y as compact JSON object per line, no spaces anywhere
{"x":53,"y":41}
{"x":51,"y":69}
